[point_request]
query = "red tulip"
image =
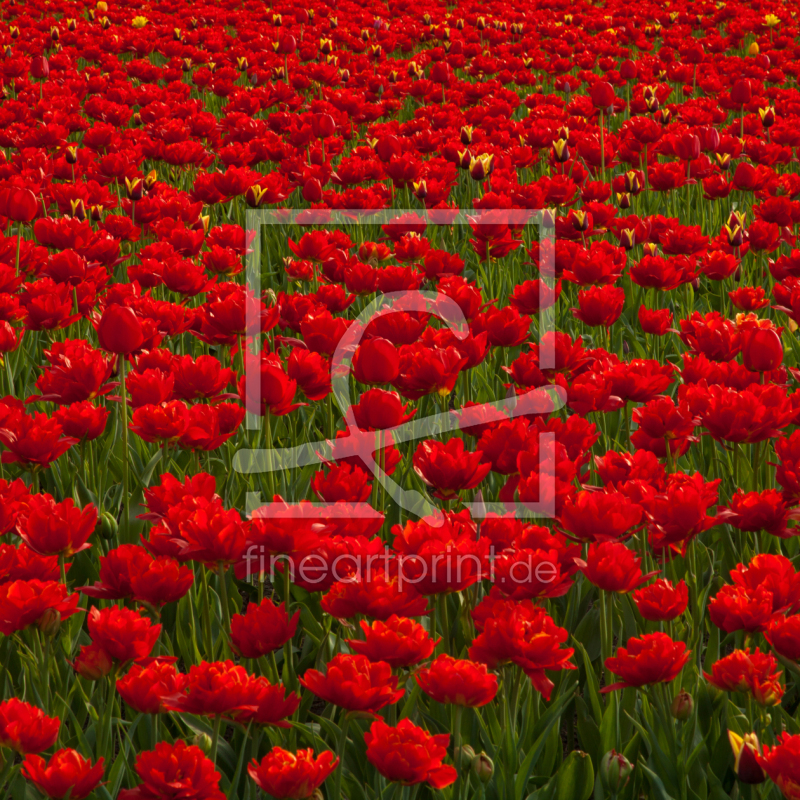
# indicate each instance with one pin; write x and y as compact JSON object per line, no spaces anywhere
{"x":354,"y":683}
{"x":399,"y":641}
{"x":602,"y":94}
{"x":762,"y":350}
{"x":66,"y":774}
{"x":263,"y":628}
{"x":175,"y":770}
{"x":144,"y":688}
{"x":120,"y":330}
{"x":18,"y":204}
{"x":460,"y":682}
{"x":25,"y":728}
{"x":292,"y":776}
{"x":652,"y":658}
{"x":122,"y":633}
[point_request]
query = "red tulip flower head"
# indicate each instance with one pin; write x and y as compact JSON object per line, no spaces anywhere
{"x":292,"y":776}
{"x":66,"y":774}
{"x":120,"y":330}
{"x":409,"y":755}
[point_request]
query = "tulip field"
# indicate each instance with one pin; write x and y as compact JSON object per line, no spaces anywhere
{"x":399,"y":402}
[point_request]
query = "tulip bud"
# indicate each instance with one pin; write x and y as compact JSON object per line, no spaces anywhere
{"x":624,"y":200}
{"x":463,"y":758}
{"x":420,"y":189}
{"x":561,"y":151}
{"x":753,"y":50}
{"x":71,"y":154}
{"x":767,"y":116}
{"x":548,"y":218}
{"x":762,"y":350}
{"x":120,"y":330}
{"x":464,"y":159}
{"x":203,"y":741}
{"x":627,"y":238}
{"x":737,"y":218}
{"x":50,"y":622}
{"x":481,"y":167}
{"x":40,"y":68}
{"x":615,"y":771}
{"x":150,"y":180}
{"x":682,"y":706}
{"x":312,"y":190}
{"x":466,"y":135}
{"x":735,"y":235}
{"x":78,"y":208}
{"x":724,"y":160}
{"x":482,"y":767}
{"x":287,"y":44}
{"x":135,"y":188}
{"x":628,"y":70}
{"x":92,"y":663}
{"x":317,"y":795}
{"x":632,"y":183}
{"x":107,"y":526}
{"x":650,"y":249}
{"x":254,"y":195}
{"x":602,"y":95}
{"x":745,"y":765}
{"x":580,"y":220}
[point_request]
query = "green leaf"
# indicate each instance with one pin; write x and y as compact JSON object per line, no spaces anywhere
{"x":575,"y":780}
{"x":593,"y":685}
{"x":547,"y":720}
{"x":656,"y":785}
{"x":588,"y":730}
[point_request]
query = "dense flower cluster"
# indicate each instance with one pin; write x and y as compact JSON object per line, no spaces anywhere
{"x":528,"y":533}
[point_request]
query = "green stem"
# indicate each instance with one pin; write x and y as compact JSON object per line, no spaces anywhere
{"x":445,"y":624}
{"x":458,"y":711}
{"x":215,"y":738}
{"x":206,"y":614}
{"x":226,"y":611}
{"x":125,"y":478}
{"x":288,"y":650}
{"x":337,"y":781}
